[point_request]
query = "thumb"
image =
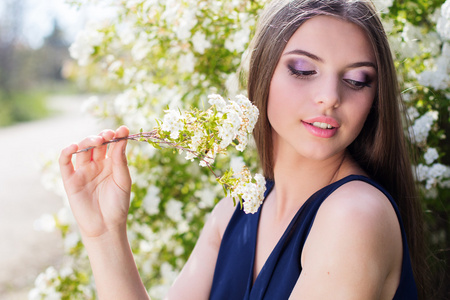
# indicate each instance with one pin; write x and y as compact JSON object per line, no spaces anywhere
{"x":118,"y":152}
{"x":119,"y":159}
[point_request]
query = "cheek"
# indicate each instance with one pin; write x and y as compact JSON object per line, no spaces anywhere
{"x":273,"y":107}
{"x":359,"y":115}
{"x":278,"y":102}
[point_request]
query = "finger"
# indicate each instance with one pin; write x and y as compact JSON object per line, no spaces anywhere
{"x":118,"y":155}
{"x":99,"y":153}
{"x":65,"y":161}
{"x":117,"y":150}
{"x":85,"y":157}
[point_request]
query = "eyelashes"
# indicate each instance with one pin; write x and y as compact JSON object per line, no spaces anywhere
{"x":358,"y":84}
{"x":300,"y":73}
{"x":352,"y":83}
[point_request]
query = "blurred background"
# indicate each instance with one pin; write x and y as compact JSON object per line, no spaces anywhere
{"x":149,"y":56}
{"x":40,"y":112}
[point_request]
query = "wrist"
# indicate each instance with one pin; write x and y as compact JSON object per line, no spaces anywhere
{"x":113,"y":266}
{"x":112,"y":237}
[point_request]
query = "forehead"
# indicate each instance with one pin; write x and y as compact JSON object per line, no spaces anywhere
{"x":332,"y":38}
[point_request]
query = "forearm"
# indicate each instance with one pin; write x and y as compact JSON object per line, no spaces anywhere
{"x":115,"y":272}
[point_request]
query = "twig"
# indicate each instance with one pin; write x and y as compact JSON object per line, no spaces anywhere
{"x":135,"y":137}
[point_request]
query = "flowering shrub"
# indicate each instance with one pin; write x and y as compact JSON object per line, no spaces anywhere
{"x":157,"y":56}
{"x":203,"y":135}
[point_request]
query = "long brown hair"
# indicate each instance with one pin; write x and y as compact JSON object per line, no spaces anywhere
{"x":381,"y":148}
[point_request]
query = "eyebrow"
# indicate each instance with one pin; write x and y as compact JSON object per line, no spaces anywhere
{"x":316,"y":58}
{"x":305,"y":53}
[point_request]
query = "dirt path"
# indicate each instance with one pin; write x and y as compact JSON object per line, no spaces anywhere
{"x":24,"y":252}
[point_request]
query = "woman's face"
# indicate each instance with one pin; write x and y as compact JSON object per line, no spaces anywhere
{"x":322,"y":89}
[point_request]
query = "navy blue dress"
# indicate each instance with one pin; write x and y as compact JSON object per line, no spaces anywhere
{"x":233,"y":275}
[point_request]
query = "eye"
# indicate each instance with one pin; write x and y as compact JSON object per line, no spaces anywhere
{"x":300,"y":73}
{"x":357,"y":85}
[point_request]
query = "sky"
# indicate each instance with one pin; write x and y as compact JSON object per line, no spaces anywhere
{"x":38,"y":16}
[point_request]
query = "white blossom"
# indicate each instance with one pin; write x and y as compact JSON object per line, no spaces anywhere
{"x":218,"y":101}
{"x":126,"y":101}
{"x":141,"y":47}
{"x":382,"y":5}
{"x":207,"y":197}
{"x":151,"y":200}
{"x":238,"y":40}
{"x":65,"y":272}
{"x":232,"y":84}
{"x":90,"y":105}
{"x":412,"y":113}
{"x":227,"y":133}
{"x":171,"y":10}
{"x":411,"y":35}
{"x":443,"y":23}
{"x":114,"y":66}
{"x":422,"y":126}
{"x":432,"y":175}
{"x":236,"y":164}
{"x":173,"y":122}
{"x":45,"y":285}
{"x":185,"y":25}
{"x":169,"y":275}
{"x":252,"y":193}
{"x":71,"y":240}
{"x":431,"y":155}
{"x":84,"y":44}
{"x":128,"y":74}
{"x":126,"y":34}
{"x":437,"y":78}
{"x":438,"y":171}
{"x":186,"y":63}
{"x":139,"y":178}
{"x":174,"y":210}
{"x":209,"y":158}
{"x":182,"y":226}
{"x":200,"y":42}
{"x":65,"y":216}
{"x":195,"y":144}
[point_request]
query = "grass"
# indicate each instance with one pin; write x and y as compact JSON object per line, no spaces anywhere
{"x":29,"y":105}
{"x":22,"y":106}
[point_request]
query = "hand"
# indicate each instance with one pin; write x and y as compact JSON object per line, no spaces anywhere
{"x":99,"y":185}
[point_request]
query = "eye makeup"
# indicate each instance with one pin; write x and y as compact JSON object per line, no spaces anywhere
{"x":301,"y":68}
{"x":358,"y":78}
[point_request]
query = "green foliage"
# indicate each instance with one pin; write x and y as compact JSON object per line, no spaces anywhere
{"x":28,"y":75}
{"x":22,"y":107}
{"x":159,"y":54}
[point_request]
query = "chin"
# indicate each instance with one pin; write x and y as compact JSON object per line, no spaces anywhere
{"x":318,"y":154}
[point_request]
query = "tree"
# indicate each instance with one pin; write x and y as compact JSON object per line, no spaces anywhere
{"x":159,"y":54}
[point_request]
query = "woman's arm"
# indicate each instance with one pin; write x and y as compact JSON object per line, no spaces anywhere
{"x":98,"y":188}
{"x":354,"y":249}
{"x":195,"y":280}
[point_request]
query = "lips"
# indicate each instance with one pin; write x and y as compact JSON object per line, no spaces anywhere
{"x":324,"y":127}
{"x":323,"y":122}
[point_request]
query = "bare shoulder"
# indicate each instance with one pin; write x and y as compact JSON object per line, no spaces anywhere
{"x":359,"y":199}
{"x":221,"y":215}
{"x":362,"y":210}
{"x":354,"y":248}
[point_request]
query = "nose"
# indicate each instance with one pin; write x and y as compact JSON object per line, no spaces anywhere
{"x":328,"y":94}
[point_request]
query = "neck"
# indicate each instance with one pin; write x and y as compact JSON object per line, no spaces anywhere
{"x":296,"y":179}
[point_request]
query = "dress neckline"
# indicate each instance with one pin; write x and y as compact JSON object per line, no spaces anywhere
{"x":269,"y":188}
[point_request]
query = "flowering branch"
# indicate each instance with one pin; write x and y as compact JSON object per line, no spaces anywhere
{"x":203,"y":135}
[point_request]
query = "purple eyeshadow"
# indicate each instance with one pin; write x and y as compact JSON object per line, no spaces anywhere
{"x":300,"y":64}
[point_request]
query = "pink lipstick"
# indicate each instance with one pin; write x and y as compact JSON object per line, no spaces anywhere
{"x":324,"y":127}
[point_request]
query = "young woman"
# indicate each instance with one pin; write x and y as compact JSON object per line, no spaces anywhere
{"x":331,"y":145}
